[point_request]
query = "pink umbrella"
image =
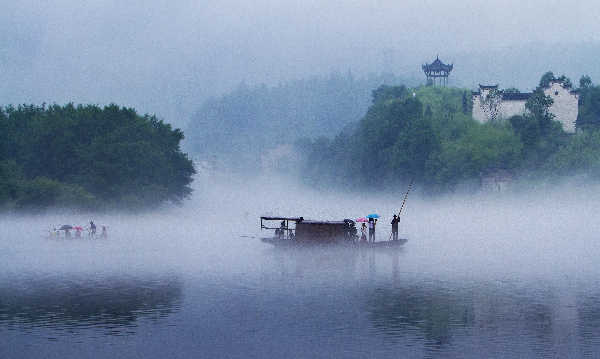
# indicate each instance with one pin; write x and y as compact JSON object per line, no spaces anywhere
{"x":362,"y":219}
{"x":78,"y":228}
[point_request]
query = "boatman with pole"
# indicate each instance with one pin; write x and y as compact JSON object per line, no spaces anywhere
{"x":395,"y":222}
{"x":396,"y":219}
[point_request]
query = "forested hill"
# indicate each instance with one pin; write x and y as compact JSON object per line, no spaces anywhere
{"x":251,"y":119}
{"x":89,"y":157}
{"x":428,"y":135}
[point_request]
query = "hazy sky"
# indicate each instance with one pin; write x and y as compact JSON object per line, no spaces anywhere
{"x":167,"y":56}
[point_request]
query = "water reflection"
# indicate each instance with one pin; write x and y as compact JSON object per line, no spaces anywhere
{"x":451,"y":313}
{"x":588,"y":314}
{"x":113,"y":303}
{"x":329,"y":262}
{"x":434,"y":312}
{"x":535,"y":318}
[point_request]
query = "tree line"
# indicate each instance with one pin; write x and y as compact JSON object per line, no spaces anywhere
{"x":87,"y":156}
{"x":428,"y":134}
{"x":237,"y":127}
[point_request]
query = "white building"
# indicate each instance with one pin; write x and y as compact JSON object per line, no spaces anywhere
{"x":491,"y":104}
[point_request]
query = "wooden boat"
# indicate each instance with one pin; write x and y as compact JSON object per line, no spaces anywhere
{"x":296,"y":231}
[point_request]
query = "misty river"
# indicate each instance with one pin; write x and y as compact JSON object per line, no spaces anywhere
{"x":496,"y":275}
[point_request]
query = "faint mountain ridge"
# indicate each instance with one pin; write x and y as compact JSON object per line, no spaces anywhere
{"x":252,"y":119}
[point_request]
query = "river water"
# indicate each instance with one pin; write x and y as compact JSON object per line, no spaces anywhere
{"x":481,"y":276}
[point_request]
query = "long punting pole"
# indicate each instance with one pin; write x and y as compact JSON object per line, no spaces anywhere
{"x":405,"y":197}
{"x":403,"y":203}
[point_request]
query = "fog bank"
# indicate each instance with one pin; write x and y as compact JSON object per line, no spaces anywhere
{"x":166,"y":57}
{"x":549,"y":234}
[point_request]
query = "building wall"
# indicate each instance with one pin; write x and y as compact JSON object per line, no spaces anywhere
{"x":512,"y":108}
{"x":478,"y":113}
{"x":565,"y":107}
{"x":506,"y":108}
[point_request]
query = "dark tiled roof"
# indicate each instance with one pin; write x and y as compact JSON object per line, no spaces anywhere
{"x":488,"y":87}
{"x":516,"y":96}
{"x":507,"y":96}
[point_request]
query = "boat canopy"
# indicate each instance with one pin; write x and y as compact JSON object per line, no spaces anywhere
{"x":294,"y":219}
{"x":324,"y":222}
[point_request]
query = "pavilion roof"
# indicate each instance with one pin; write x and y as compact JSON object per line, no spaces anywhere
{"x":437,"y":65}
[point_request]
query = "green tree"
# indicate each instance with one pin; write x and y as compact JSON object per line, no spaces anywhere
{"x":585,"y":82}
{"x":11,"y":179}
{"x":540,"y":134}
{"x":588,"y":117}
{"x":565,"y":81}
{"x":580,"y":155}
{"x":538,"y":105}
{"x":467,"y":103}
{"x":88,"y":154}
{"x":546,"y":79}
{"x":483,"y":148}
{"x":385,"y":93}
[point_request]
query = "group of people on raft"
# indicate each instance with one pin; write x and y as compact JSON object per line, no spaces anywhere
{"x":371,"y":226}
{"x":78,"y":231}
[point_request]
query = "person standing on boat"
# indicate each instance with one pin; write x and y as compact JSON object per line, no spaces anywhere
{"x":395,"y":222}
{"x":282,"y":230}
{"x":363,"y":232}
{"x":372,"y":223}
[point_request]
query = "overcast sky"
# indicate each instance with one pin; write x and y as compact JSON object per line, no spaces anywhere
{"x":165,"y":57}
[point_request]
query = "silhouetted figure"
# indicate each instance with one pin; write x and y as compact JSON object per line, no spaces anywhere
{"x":282,"y":229}
{"x":104,"y":234}
{"x":395,"y":222}
{"x":92,"y":228}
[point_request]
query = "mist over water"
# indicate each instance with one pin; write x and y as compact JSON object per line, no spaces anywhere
{"x":512,"y":274}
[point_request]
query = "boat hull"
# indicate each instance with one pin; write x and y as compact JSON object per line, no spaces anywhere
{"x":341,"y":243}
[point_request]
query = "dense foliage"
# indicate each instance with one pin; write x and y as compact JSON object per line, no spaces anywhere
{"x":589,"y":105}
{"x":428,"y":134}
{"x":88,"y":156}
